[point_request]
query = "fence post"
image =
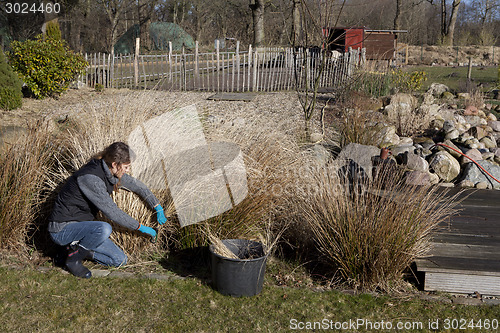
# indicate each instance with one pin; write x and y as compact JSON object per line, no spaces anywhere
{"x":238,"y":65}
{"x":469,"y":69}
{"x":136,"y":61}
{"x":196,"y":63}
{"x":218,"y":63}
{"x":183,"y":69}
{"x":170,"y":61}
{"x":249,"y":65}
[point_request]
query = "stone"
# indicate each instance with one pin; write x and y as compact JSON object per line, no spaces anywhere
{"x":452,"y":135}
{"x":401,"y":107}
{"x":446,"y":184}
{"x":475,"y":120}
{"x":415,"y":162}
{"x":473,"y":173}
{"x":445,"y":166}
{"x":401,"y":149}
{"x":495,"y":125}
{"x":463,"y":95}
{"x":447,"y":96}
{"x":488,"y":156}
{"x":459,"y":119}
{"x":448,"y":126}
{"x":406,"y":141}
{"x":437,"y":89}
{"x":465,"y":184}
{"x":428,"y":98}
{"x":385,"y":135}
{"x":417,"y":178}
{"x":451,"y":151}
{"x":488,"y":142}
{"x":477,"y":132}
{"x":491,"y":116}
{"x":482,"y":186}
{"x":433,"y":178}
{"x":472,"y":153}
{"x":320,"y":153}
{"x":437,"y":123}
{"x":358,"y":156}
{"x":471,"y":111}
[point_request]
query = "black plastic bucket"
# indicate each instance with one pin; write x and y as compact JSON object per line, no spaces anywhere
{"x":239,"y":277}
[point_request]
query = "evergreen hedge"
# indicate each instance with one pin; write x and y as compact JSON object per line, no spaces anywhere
{"x":47,"y":65}
{"x":11,"y":96}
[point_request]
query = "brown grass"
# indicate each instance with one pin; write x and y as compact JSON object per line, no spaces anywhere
{"x":371,"y":232}
{"x":22,"y":170}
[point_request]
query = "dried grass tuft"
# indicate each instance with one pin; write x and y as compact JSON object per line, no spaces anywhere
{"x":371,"y":232}
{"x":22,"y":170}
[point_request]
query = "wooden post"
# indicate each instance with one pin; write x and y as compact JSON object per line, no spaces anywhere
{"x":217,"y":53}
{"x":196,"y":63}
{"x":183,"y":69}
{"x":469,"y":70}
{"x":238,"y":65}
{"x":136,"y":61}
{"x":249,"y":65}
{"x":170,"y":61}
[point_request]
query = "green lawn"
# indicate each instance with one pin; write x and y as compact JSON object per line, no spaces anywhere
{"x":56,"y":302}
{"x":456,"y":77}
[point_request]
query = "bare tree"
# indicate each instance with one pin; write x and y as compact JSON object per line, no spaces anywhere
{"x":448,"y":25}
{"x":115,"y":10}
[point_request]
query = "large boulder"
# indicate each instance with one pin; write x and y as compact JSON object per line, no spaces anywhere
{"x":358,"y":156}
{"x":445,"y":166}
{"x":474,"y":174}
{"x":401,"y":107}
{"x":384,"y":135}
{"x":414,"y":162}
{"x":438,"y":89}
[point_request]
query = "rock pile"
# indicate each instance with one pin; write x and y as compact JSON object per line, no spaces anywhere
{"x":459,"y":144}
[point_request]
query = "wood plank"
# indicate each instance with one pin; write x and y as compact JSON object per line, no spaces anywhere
{"x":462,"y":283}
{"x":466,"y":250}
{"x":454,"y":264}
{"x":246,"y":97}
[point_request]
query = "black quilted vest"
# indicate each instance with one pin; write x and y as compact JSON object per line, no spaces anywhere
{"x":71,"y":204}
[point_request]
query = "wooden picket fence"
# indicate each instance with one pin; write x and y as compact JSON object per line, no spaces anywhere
{"x":260,"y":69}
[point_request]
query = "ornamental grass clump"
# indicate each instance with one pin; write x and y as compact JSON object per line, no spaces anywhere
{"x":23,"y":166}
{"x":95,"y":125}
{"x":371,"y":231}
{"x":271,"y":160}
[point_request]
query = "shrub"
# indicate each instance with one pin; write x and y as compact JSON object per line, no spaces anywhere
{"x":47,"y":66}
{"x":10,"y":86}
{"x":53,"y":30}
{"x":408,"y":82}
{"x":372,"y":232}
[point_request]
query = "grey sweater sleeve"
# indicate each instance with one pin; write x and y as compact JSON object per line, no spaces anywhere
{"x":95,"y":190}
{"x":129,"y":183}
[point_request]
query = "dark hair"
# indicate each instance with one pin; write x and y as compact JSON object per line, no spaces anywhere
{"x":118,"y":152}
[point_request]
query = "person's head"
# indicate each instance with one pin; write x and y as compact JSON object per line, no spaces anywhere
{"x":118,"y":156}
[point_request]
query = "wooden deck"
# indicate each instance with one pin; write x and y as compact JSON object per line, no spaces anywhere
{"x":466,"y":253}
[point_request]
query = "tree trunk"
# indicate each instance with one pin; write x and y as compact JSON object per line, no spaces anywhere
{"x":397,"y":16}
{"x":296,"y":28}
{"x":450,"y":32}
{"x":257,"y":7}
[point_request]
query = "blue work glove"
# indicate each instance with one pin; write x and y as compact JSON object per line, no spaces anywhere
{"x":160,"y":216}
{"x":147,"y":230}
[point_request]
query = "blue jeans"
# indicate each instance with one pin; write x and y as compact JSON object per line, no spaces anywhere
{"x":92,"y":235}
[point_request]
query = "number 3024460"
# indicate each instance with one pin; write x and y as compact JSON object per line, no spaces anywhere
{"x":26,"y":8}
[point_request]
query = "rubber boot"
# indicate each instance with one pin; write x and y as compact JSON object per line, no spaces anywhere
{"x":76,"y":254}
